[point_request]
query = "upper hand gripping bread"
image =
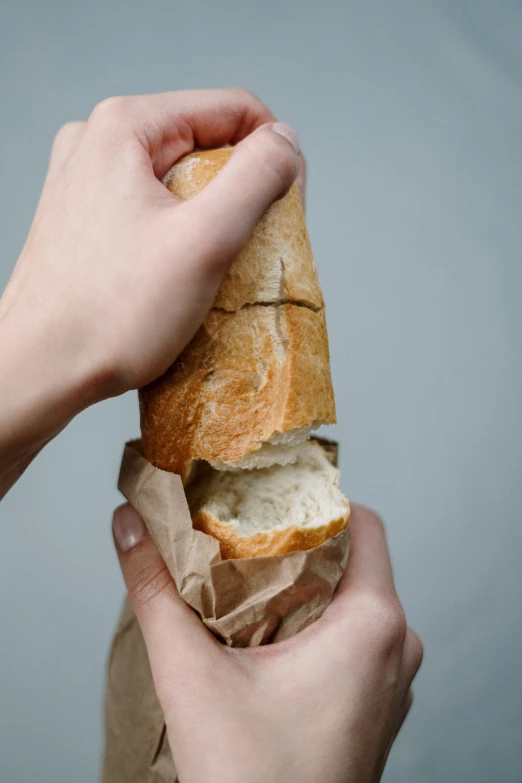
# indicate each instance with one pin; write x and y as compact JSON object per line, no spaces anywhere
{"x":277,"y":264}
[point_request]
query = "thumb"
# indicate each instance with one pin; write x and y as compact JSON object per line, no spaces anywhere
{"x":174,"y":636}
{"x":261,"y":169}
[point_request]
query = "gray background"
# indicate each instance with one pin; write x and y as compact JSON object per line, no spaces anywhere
{"x":411,"y":116}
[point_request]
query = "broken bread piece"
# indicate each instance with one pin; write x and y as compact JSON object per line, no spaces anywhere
{"x":255,"y":380}
{"x":244,"y":392}
{"x":280,"y":449}
{"x":270,"y":511}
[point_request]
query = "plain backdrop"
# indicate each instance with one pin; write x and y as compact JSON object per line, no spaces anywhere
{"x":410,"y":114}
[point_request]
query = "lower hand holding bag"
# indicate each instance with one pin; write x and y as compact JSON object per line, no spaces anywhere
{"x":244,"y":603}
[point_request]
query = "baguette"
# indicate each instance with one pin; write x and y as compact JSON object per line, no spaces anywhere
{"x":233,"y":414}
{"x":255,"y":380}
{"x":246,"y":380}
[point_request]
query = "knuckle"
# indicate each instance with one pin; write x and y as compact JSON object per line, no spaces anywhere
{"x":110,"y":110}
{"x":65,"y":134}
{"x":416,"y":652}
{"x":148,"y":583}
{"x":246,"y":95}
{"x":385,"y":624}
{"x":393,"y":633}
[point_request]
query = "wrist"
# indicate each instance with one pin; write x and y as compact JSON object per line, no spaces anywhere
{"x":44,"y":383}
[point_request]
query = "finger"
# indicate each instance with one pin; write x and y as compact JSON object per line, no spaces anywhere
{"x":171,"y":630}
{"x":261,"y":169}
{"x":412,"y":656}
{"x":301,"y":180}
{"x":369,"y":565}
{"x":411,"y":662}
{"x":67,"y":140}
{"x":171,"y":124}
{"x":402,"y":714}
{"x":406,"y":708}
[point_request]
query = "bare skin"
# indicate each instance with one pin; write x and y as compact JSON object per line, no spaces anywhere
{"x":116,"y":274}
{"x":114,"y":280}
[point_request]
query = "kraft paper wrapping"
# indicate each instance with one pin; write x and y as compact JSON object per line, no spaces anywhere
{"x":244,"y":603}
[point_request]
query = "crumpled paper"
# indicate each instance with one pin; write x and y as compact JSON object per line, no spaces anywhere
{"x":244,"y":603}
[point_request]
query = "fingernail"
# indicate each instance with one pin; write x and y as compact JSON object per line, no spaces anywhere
{"x":287,"y":133}
{"x":129,"y":528}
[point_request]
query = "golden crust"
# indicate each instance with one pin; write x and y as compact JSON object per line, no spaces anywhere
{"x":277,"y":264}
{"x":244,"y":376}
{"x":273,"y":542}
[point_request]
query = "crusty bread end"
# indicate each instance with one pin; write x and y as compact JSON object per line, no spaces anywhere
{"x":271,"y":511}
{"x":256,"y":377}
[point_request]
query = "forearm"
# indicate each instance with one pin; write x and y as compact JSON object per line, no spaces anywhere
{"x":41,"y":390}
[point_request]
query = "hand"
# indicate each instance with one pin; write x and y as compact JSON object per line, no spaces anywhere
{"x":325,"y":705}
{"x":117,"y":275}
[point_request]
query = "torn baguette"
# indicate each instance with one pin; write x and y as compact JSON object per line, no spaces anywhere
{"x":233,"y":415}
{"x":270,"y":511}
{"x":255,"y":380}
{"x":247,"y":381}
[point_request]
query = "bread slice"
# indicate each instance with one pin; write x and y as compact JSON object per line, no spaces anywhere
{"x":246,"y":391}
{"x":277,"y":264}
{"x":270,"y":511}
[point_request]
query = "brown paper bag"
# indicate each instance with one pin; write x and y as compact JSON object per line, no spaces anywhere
{"x":243,"y":602}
